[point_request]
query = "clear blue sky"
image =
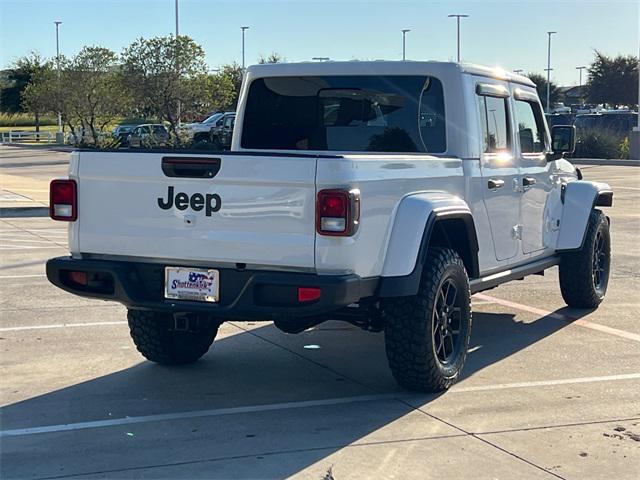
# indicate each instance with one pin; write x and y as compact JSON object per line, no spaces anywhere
{"x":510,"y":34}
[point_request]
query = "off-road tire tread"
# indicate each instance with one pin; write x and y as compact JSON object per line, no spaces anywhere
{"x":576,"y":282}
{"x":153,"y":339}
{"x":407,"y":326}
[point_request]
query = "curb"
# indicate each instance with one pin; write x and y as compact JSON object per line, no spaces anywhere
{"x":18,"y":212}
{"x":604,"y":162}
{"x":55,"y":147}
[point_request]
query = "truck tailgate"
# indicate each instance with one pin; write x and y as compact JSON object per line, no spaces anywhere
{"x":255,"y":209}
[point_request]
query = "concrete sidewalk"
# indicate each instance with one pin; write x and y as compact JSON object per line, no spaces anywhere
{"x":25,"y":174}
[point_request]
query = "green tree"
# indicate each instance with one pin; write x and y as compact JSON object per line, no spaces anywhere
{"x":164,"y":74}
{"x":222,"y":92}
{"x":613,"y":80}
{"x":273,"y":57}
{"x":232,"y":74}
{"x":93,"y":96}
{"x":37,"y":95}
{"x":541,"y":87}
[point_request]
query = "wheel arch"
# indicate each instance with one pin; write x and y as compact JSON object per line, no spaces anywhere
{"x":425,"y":220}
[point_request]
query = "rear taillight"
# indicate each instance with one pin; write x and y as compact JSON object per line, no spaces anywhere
{"x":338,"y":212}
{"x":63,"y":200}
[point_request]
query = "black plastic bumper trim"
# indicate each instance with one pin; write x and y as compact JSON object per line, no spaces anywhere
{"x":244,"y":294}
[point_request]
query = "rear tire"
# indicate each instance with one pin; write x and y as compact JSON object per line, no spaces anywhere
{"x":584,"y":274}
{"x":155,"y":338}
{"x":427,"y":335}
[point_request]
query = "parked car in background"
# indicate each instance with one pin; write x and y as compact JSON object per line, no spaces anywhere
{"x":560,"y":108}
{"x":581,"y":109}
{"x":121,"y":133}
{"x":148,"y":135}
{"x":200,"y":130}
{"x":221,"y":134}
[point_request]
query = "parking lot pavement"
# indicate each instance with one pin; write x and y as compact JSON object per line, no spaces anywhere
{"x":25,"y":173}
{"x":547,"y":392}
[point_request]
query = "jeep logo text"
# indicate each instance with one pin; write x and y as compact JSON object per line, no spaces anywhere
{"x":210,"y":202}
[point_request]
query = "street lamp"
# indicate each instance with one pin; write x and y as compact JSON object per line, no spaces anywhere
{"x":404,"y":43}
{"x":549,"y":67}
{"x":243,"y":29}
{"x":580,"y":70}
{"x":458,"y":17}
{"x":177,"y":34}
{"x":59,"y":139}
{"x":177,"y":19}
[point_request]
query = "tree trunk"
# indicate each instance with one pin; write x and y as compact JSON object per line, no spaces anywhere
{"x":37,"y":115}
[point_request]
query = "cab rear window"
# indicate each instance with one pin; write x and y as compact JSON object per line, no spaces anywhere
{"x":346,"y":113}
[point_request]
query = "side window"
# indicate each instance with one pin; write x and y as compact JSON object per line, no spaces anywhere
{"x":495,"y":124}
{"x":530,"y":127}
{"x":431,"y":120}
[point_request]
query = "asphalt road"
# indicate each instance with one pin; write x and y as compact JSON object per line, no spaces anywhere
{"x":547,"y":392}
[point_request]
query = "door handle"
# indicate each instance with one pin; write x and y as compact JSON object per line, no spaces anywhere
{"x":495,"y":184}
{"x":528,"y":181}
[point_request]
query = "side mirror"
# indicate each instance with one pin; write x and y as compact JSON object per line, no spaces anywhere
{"x":563,"y":140}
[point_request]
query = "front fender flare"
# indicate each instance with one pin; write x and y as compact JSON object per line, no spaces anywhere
{"x":579,"y":198}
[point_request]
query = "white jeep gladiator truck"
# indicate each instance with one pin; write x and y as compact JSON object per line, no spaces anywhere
{"x":380,"y":193}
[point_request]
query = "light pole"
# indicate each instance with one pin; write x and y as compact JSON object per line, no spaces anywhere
{"x":177,"y":56}
{"x":580,"y":70}
{"x":404,"y":43}
{"x":177,"y":19}
{"x":458,"y":17}
{"x":243,"y":29}
{"x":59,"y":139}
{"x":580,"y":81}
{"x":549,"y":68}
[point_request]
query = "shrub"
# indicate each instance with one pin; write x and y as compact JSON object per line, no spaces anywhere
{"x":598,"y":143}
{"x":625,"y":148}
{"x":24,"y":120}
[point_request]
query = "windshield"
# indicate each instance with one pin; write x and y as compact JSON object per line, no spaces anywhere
{"x":213,"y":118}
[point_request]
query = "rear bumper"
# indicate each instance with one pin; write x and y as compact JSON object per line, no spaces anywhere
{"x":244,"y":294}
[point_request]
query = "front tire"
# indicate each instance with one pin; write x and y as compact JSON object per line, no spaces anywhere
{"x":584,"y":274}
{"x":427,"y":335}
{"x":157,"y":340}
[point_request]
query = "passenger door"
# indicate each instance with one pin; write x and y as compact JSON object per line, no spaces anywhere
{"x":134,"y":140}
{"x":227,"y":130}
{"x":499,"y":166}
{"x":536,"y":175}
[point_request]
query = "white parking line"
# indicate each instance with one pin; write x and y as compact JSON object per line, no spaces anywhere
{"x":66,"y":427}
{"x":3,"y":241}
{"x":61,"y":325}
{"x":559,"y":316}
{"x":22,"y":276}
{"x":547,"y":383}
{"x":194,"y":414}
{"x":26,"y":247}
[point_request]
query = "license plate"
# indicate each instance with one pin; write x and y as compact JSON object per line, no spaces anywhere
{"x":183,"y":283}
